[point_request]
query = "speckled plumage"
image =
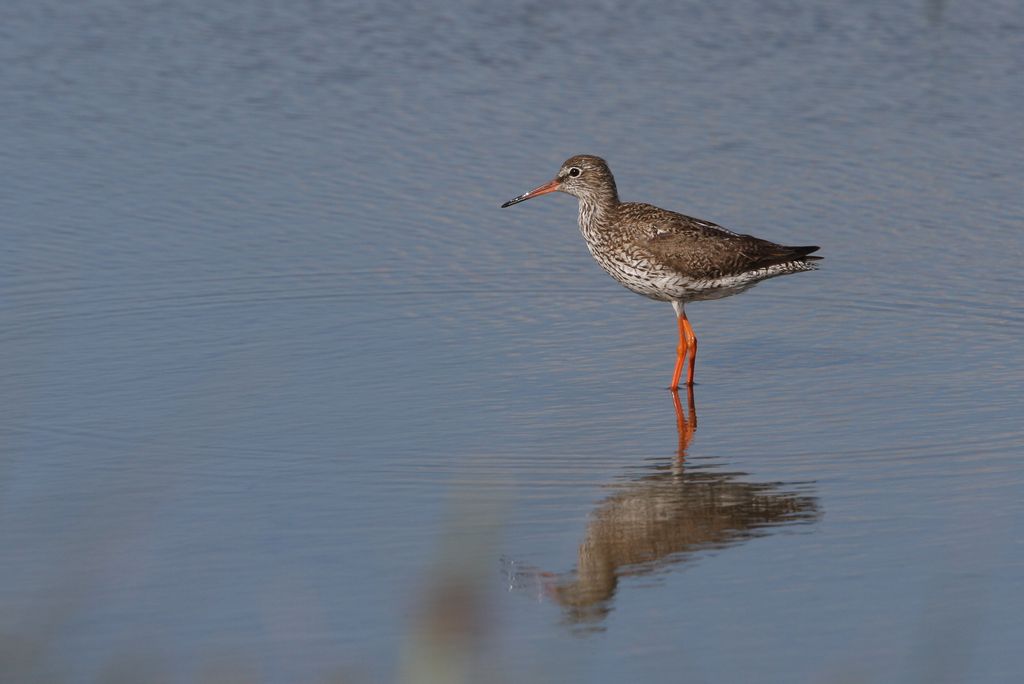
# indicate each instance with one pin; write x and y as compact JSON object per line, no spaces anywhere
{"x":665,"y":255}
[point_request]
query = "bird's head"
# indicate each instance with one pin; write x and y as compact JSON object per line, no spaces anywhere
{"x":584,"y":176}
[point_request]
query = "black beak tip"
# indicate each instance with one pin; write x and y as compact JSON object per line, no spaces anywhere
{"x":516,"y":200}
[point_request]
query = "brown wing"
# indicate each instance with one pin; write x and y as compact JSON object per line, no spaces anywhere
{"x":702,"y":249}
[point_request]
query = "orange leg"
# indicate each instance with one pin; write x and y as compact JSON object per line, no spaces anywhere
{"x":691,"y":342}
{"x":681,"y":349}
{"x":687,"y":343}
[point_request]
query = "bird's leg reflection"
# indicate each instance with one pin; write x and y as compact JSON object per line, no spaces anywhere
{"x":663,"y":516}
{"x":686,"y":422}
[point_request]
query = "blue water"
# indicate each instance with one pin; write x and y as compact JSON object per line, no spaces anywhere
{"x":289,"y":399}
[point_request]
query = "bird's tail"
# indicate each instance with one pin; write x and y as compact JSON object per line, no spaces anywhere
{"x":804,"y":252}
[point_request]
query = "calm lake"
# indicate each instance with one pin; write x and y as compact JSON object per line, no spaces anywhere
{"x":290,"y":399}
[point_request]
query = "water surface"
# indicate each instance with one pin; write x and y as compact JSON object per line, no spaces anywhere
{"x":283,"y":383}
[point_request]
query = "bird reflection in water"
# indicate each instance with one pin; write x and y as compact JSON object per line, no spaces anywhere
{"x":661,"y":519}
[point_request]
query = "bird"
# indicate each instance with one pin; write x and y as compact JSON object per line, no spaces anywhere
{"x":665,"y":255}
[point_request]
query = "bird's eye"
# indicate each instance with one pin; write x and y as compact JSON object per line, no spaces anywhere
{"x":574,"y":171}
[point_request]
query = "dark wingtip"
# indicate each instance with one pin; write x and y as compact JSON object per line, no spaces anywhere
{"x":803,"y":252}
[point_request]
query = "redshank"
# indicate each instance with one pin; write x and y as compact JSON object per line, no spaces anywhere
{"x":664,"y":255}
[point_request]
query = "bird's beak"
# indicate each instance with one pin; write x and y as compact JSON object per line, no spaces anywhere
{"x":542,"y":190}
